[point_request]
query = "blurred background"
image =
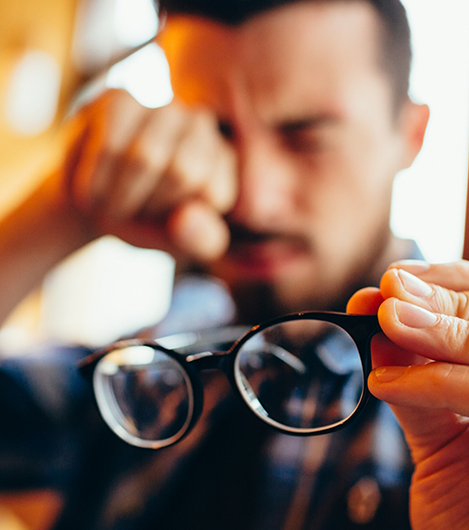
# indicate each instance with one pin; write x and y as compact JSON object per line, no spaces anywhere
{"x":50,"y":52}
{"x":51,"y":49}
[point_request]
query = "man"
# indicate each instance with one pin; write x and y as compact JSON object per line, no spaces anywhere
{"x":271,"y":170}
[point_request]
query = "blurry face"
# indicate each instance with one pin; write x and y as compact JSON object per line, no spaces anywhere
{"x":299,"y":93}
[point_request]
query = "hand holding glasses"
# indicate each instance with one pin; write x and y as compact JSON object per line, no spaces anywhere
{"x":303,"y":374}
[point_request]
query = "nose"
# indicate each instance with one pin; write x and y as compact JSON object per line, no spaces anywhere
{"x":265,"y":186}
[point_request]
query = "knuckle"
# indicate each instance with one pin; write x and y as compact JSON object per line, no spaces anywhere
{"x":451,"y":275}
{"x":184,"y":175}
{"x":463,"y":304}
{"x":446,"y":301}
{"x":455,"y":334}
{"x":224,"y":185}
{"x":203,"y":128}
{"x":192,"y":161}
{"x":141,"y":153}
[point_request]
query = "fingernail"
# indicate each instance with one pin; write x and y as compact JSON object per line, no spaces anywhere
{"x":389,"y":373}
{"x":413,"y":316}
{"x":414,"y":285}
{"x":415,"y":266}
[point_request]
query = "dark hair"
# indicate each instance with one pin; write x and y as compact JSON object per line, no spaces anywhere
{"x":396,"y":54}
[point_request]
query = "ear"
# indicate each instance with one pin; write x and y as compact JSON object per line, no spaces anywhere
{"x":414,"y":121}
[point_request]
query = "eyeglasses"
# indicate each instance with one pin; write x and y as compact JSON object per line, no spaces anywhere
{"x":303,"y":374}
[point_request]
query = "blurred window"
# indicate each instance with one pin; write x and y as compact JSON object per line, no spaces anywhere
{"x":430,"y":197}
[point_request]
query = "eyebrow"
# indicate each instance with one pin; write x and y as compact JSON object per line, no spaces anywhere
{"x":310,"y":122}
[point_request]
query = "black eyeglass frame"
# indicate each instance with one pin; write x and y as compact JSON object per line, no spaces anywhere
{"x":361,"y":328}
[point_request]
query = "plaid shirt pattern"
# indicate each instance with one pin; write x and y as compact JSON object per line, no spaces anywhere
{"x":231,"y":472}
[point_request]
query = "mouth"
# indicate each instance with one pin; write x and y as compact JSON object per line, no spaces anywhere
{"x":265,"y":256}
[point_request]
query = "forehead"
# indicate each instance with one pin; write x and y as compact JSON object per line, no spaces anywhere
{"x":285,"y":58}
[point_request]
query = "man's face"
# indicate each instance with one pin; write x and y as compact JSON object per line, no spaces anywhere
{"x":300,"y":94}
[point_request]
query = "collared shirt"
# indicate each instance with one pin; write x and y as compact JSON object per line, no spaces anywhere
{"x":231,"y":472}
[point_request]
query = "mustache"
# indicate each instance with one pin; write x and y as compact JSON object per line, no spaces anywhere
{"x":241,"y":235}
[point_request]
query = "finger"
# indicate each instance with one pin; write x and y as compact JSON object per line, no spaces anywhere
{"x":214,"y":181}
{"x":193,"y":230}
{"x":401,"y":284}
{"x":222,"y":188}
{"x":425,"y":396}
{"x":201,"y":166}
{"x":435,"y":385}
{"x":435,"y":336}
{"x":198,"y":231}
{"x":196,"y":156}
{"x":146,"y":160}
{"x":384,"y":352}
{"x":430,"y":402}
{"x":77,"y":132}
{"x":113,"y":121}
{"x":453,"y":276}
{"x":365,"y":301}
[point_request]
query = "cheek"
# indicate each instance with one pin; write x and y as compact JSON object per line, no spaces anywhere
{"x":340,"y":190}
{"x":342,"y":211}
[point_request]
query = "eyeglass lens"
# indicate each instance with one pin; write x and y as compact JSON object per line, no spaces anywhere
{"x":301,"y":376}
{"x":144,"y":395}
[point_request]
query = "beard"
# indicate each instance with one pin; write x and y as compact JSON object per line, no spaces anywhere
{"x":258,"y":300}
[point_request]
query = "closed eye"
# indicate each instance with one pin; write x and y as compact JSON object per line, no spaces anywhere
{"x":308,"y":135}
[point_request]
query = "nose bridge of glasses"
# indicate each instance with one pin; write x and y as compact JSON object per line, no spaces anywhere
{"x":207,"y":360}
